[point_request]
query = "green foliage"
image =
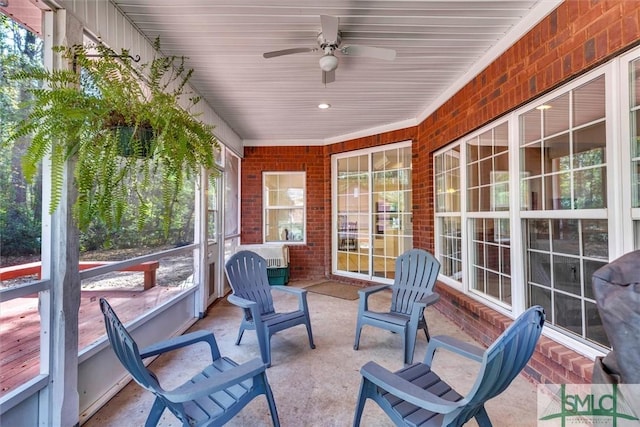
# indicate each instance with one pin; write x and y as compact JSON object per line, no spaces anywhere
{"x":77,"y":116}
{"x":134,"y":235}
{"x":20,"y":212}
{"x":20,"y":231}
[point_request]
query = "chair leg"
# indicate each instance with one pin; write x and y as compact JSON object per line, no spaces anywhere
{"x":356,"y":343}
{"x":271,"y":401}
{"x":409,"y":345}
{"x":426,"y":330}
{"x":240,"y":332}
{"x":309,"y":333}
{"x":264,"y":342}
{"x":362,"y":399}
{"x":483,"y":418}
{"x":155,"y":413}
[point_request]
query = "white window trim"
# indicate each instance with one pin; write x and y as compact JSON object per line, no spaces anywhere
{"x":623,"y":152}
{"x":460,"y":285}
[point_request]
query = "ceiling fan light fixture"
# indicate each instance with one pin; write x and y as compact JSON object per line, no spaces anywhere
{"x":328,"y":63}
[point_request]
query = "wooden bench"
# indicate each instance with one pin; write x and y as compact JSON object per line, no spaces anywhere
{"x":16,"y":271}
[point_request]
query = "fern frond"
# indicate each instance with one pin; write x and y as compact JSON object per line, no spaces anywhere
{"x":58,"y":159}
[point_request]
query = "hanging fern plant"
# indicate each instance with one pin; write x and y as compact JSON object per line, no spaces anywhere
{"x":123,"y":126}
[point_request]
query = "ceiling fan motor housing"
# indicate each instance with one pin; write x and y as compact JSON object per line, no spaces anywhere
{"x":328,"y":62}
{"x":324,"y":43}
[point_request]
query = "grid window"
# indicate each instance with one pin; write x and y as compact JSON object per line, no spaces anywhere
{"x":488,"y":170}
{"x":562,"y":151}
{"x":487,"y":167}
{"x":634,"y":141}
{"x":562,"y":255}
{"x":447,"y":180}
{"x":448,"y":220}
{"x":284,"y":206}
{"x":634,"y":103}
{"x":563,"y":168}
{"x":353,"y":196}
{"x":491,"y":258}
{"x":450,"y":239}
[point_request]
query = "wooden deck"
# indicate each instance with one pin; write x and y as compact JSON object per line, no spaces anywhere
{"x":20,"y":327}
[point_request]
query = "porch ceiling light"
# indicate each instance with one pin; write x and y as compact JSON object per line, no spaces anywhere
{"x":328,"y":63}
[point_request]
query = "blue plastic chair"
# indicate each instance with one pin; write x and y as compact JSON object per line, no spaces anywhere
{"x":416,"y":395}
{"x":247,"y":275}
{"x":210,"y":398}
{"x":412,"y":291}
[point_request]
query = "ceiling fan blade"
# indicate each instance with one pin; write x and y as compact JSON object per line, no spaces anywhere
{"x":329,"y":28}
{"x":369,"y":51}
{"x":328,"y":76}
{"x":287,"y":52}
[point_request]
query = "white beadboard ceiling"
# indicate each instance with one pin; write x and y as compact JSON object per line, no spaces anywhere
{"x":274,"y":101}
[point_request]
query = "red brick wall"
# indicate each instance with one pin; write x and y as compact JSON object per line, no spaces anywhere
{"x":306,"y":261}
{"x":313,"y":260}
{"x":577,"y":36}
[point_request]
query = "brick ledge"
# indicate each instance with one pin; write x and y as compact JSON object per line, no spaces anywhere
{"x":552,"y":362}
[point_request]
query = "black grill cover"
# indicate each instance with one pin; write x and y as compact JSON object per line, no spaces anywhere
{"x":617,"y":291}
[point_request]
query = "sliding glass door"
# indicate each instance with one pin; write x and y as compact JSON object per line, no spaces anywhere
{"x":372,"y":210}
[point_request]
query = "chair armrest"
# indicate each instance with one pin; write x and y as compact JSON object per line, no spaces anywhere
{"x":241,"y":302}
{"x":404,"y":390}
{"x":289,"y":289}
{"x":430,"y":299}
{"x":371,"y":290}
{"x":191,"y":391}
{"x":182,"y":341}
{"x":454,"y":345}
{"x":363,"y":295}
{"x":417,"y":309}
{"x":301,"y":293}
{"x":252,"y":306}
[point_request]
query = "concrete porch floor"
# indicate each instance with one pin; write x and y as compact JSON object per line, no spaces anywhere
{"x":315,"y":387}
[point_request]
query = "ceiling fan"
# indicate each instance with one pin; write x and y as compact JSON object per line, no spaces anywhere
{"x":329,"y":40}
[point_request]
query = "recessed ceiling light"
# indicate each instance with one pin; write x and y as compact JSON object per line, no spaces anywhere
{"x":324,"y":106}
{"x":543,"y":107}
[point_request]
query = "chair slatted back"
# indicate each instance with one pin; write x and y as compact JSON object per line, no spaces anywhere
{"x":504,"y":360}
{"x":126,"y":348}
{"x":416,"y":274}
{"x":247,"y":275}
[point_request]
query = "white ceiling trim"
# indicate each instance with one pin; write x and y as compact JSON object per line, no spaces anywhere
{"x":373,"y":131}
{"x":328,"y":141}
{"x":283,"y":142}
